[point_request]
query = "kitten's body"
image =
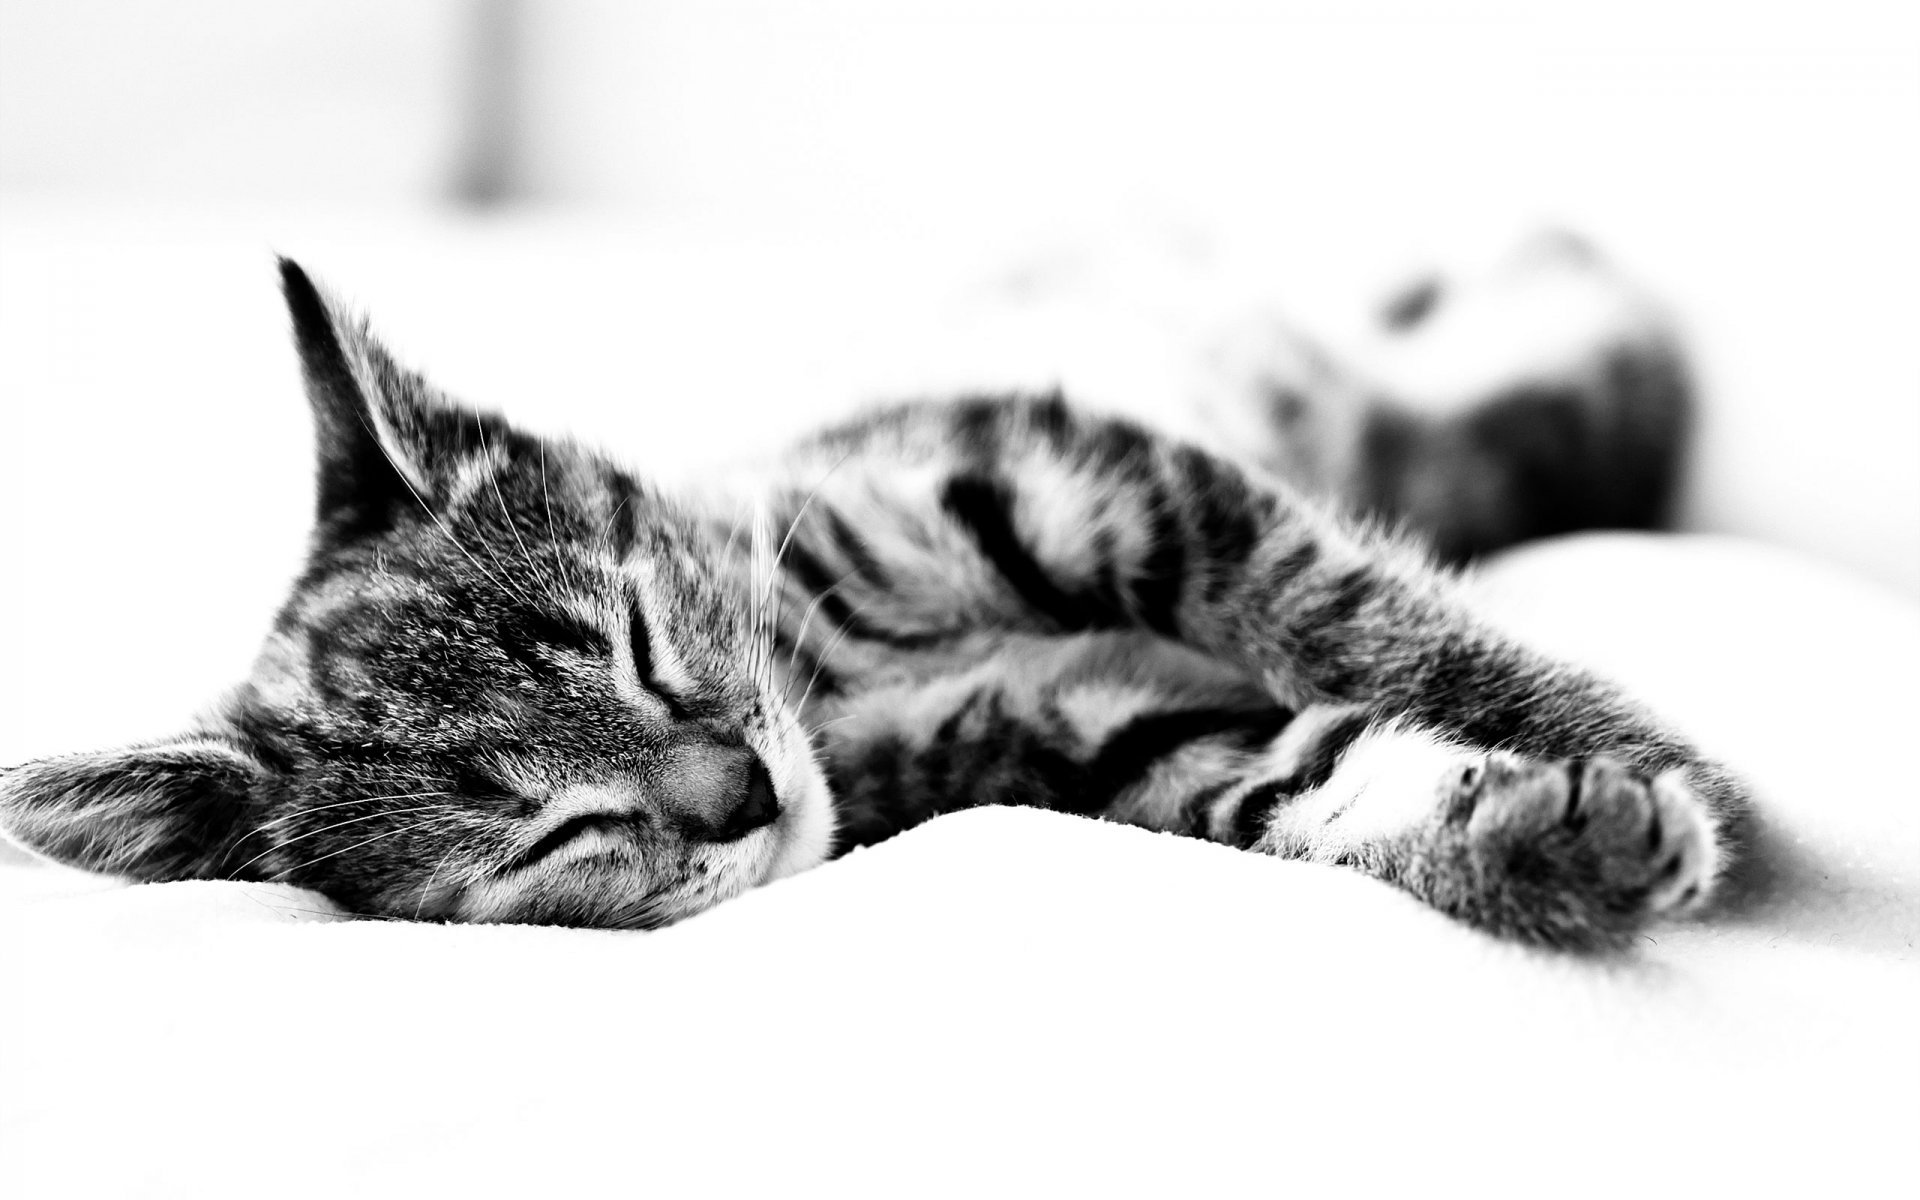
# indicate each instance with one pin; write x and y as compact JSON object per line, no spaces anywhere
{"x":516,"y":683}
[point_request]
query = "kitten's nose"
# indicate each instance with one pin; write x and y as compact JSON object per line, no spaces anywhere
{"x":756,"y":807}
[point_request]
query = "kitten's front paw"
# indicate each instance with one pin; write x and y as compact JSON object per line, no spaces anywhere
{"x":1590,"y":845}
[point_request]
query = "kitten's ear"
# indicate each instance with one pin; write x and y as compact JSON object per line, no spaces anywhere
{"x":386,"y":439}
{"x":157,"y":812}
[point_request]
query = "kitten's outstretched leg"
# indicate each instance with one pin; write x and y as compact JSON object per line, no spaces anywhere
{"x":1576,"y":854}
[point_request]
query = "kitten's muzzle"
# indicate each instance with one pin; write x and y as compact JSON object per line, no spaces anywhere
{"x":758,"y":808}
{"x":746,"y":802}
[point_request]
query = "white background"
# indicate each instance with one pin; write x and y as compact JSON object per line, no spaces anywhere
{"x":1753,"y":161}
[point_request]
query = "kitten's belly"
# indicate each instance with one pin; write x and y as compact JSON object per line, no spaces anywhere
{"x":921,"y":732}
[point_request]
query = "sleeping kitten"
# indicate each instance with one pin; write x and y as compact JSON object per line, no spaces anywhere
{"x":516,"y":683}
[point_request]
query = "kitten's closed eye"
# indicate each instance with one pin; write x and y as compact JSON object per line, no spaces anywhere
{"x":641,"y":641}
{"x":564,"y":833}
{"x":570,"y":634}
{"x":480,"y":787}
{"x":532,"y":639}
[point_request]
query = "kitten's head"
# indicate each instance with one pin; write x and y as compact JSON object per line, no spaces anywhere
{"x":512,"y":684}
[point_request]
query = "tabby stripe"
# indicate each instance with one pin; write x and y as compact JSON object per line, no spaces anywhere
{"x":1347,"y":594}
{"x":1322,"y":757}
{"x":1226,"y":514}
{"x":1108,"y":567}
{"x":824,"y":589}
{"x":821,"y":585}
{"x":854,"y":548}
{"x":1004,"y":759}
{"x":1295,"y":562}
{"x":1330,"y":745}
{"x":940,"y":767}
{"x":1335,"y":604}
{"x":1156,"y":589}
{"x":814,"y":577}
{"x":1051,"y":418}
{"x":1196,"y":814}
{"x":802,"y":664}
{"x":869,"y":787}
{"x":976,"y":427}
{"x":984,"y":508}
{"x":1255,"y":811}
{"x":1120,"y":450}
{"x":1134,"y":749}
{"x":1458,"y":686}
{"x":623,"y":491}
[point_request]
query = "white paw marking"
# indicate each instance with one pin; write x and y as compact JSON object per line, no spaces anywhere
{"x":1389,"y":782}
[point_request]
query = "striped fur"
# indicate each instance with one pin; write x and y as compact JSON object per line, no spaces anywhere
{"x":516,"y":683}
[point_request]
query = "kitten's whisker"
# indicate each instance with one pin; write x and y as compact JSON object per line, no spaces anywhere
{"x":649,"y":913}
{"x":820,"y":664}
{"x":337,"y":825}
{"x":553,"y":532}
{"x":344,"y":849}
{"x":294,"y":816}
{"x":428,"y":509}
{"x":289,"y":908}
{"x":777,"y":593}
{"x":733,"y":535}
{"x":506,"y":514}
{"x":815,"y":731}
{"x":391,"y":796}
{"x":758,"y":629}
{"x":764,"y":562}
{"x":356,"y":800}
{"x":607,"y":528}
{"x":765,"y":581}
{"x":340,"y":913}
{"x":793,"y":526}
{"x":806,"y":618}
{"x":426,"y":889}
{"x":493,"y":478}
